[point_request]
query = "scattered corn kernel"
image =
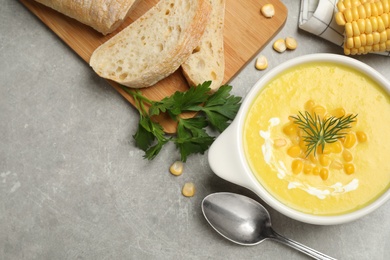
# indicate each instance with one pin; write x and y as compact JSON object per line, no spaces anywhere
{"x":324,"y":150}
{"x":338,"y":112}
{"x":309,"y":105}
{"x":294,"y":151}
{"x":316,"y":170}
{"x":361,"y":136}
{"x":291,"y":43}
{"x":324,"y":173}
{"x":280,"y":45}
{"x":290,"y":129}
{"x":325,"y":160}
{"x":176,"y":168}
{"x":335,"y":147}
{"x":297,"y":166}
{"x":319,"y":110}
{"x":303,"y":144}
{"x":349,"y":168}
{"x":307,"y":168}
{"x":327,"y":149}
{"x":280,"y":142}
{"x":261,"y":63}
{"x":347,"y":155}
{"x":188,"y":189}
{"x":313,"y":158}
{"x":350,"y":140}
{"x":268,"y":10}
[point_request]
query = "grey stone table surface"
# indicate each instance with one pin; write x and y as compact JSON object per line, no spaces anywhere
{"x":74,"y":186}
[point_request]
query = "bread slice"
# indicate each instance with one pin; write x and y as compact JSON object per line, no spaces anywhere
{"x":102,"y":15}
{"x":155,"y":45}
{"x":208,"y":60}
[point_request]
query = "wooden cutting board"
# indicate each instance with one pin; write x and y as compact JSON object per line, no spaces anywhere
{"x":246,"y":32}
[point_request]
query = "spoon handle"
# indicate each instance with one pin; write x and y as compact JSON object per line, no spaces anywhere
{"x":300,"y":247}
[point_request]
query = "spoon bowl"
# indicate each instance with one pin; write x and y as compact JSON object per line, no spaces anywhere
{"x":244,"y":221}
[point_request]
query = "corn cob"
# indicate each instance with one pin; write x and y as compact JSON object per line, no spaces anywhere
{"x":367,"y":25}
{"x":344,"y":4}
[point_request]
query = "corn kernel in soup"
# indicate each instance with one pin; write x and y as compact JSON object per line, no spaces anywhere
{"x":340,"y":177}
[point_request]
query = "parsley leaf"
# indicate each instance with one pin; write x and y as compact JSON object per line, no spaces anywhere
{"x":214,"y":109}
{"x":192,"y":137}
{"x":221,"y":108}
{"x":144,"y":137}
{"x":150,"y":137}
{"x":180,"y":102}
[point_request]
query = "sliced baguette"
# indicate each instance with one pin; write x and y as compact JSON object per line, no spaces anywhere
{"x":102,"y":15}
{"x":208,"y":61}
{"x":155,"y":45}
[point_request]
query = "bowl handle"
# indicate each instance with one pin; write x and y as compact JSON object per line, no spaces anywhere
{"x":224,"y":158}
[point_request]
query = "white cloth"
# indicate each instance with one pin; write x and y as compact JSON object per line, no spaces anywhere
{"x":317,"y":17}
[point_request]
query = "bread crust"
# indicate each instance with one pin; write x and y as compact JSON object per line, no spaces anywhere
{"x":102,"y":15}
{"x":131,"y":57}
{"x":207,"y":63}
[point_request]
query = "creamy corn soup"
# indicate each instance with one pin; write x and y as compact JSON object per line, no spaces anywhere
{"x":340,"y":176}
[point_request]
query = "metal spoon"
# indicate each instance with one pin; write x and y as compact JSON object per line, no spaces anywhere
{"x":244,"y":221}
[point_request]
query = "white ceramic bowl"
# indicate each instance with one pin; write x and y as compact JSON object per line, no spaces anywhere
{"x":227,"y":156}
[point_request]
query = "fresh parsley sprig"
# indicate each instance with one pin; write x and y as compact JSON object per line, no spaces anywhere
{"x":215,"y":110}
{"x":319,"y":131}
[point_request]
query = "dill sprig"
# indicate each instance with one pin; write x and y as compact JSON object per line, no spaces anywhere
{"x":321,"y":131}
